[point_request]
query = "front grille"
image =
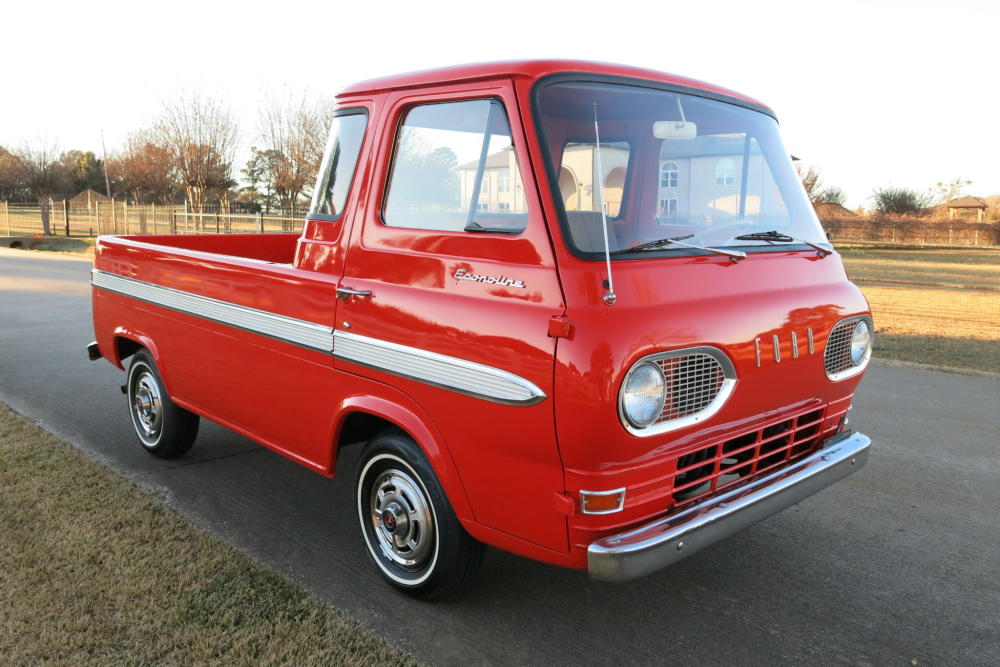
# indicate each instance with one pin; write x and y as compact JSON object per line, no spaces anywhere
{"x":837,"y":356}
{"x":723,"y":463}
{"x":692,"y":383}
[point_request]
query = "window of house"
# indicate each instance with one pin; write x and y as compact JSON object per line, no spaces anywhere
{"x":669,"y":175}
{"x":503,"y":181}
{"x":339,"y":161}
{"x":668,"y":208}
{"x":503,"y":206}
{"x":438,"y":178}
{"x":725,"y":172}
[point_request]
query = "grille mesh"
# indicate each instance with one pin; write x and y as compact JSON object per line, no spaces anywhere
{"x":837,"y":356}
{"x":692,"y":383}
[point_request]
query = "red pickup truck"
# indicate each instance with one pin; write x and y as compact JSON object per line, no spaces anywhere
{"x":581,"y":312}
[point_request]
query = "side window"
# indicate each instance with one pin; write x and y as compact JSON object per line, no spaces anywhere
{"x":446,"y":156}
{"x":339,"y":161}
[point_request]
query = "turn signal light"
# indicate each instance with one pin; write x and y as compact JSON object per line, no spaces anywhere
{"x":602,"y":502}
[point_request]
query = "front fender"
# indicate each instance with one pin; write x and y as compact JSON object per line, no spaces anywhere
{"x":400,"y":410}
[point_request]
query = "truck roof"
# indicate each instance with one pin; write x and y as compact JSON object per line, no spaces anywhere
{"x":532,"y":69}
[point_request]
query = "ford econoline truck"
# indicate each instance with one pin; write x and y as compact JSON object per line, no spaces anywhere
{"x":581,"y":312}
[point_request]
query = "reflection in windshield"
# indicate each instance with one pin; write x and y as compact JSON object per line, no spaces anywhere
{"x":673,"y":164}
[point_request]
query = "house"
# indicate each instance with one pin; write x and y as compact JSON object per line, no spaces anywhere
{"x":87,"y":199}
{"x":966,"y":208}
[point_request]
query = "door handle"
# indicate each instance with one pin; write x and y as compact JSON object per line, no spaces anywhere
{"x":346,"y":293}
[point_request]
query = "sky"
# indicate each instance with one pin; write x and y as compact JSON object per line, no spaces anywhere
{"x":874,"y":93}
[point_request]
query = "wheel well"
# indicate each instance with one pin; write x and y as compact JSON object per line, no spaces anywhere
{"x":126,"y":347}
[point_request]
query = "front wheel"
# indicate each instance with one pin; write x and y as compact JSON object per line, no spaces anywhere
{"x":164,"y":429}
{"x":409,"y":528}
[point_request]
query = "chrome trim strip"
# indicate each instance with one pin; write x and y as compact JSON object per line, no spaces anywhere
{"x":795,"y":346}
{"x":438,"y":370}
{"x":289,"y":329}
{"x":728,"y":384}
{"x":646,"y":549}
{"x":777,"y":348}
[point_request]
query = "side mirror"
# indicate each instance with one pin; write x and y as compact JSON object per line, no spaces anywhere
{"x":674,"y":129}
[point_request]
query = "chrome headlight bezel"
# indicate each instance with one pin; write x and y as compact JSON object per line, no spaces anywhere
{"x":857,"y":365}
{"x":665,"y":425}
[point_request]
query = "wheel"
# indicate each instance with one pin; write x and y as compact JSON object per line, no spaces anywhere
{"x":409,"y":528}
{"x":164,"y":429}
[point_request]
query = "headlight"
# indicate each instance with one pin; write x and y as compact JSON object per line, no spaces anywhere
{"x":643,"y":395}
{"x":861,"y":342}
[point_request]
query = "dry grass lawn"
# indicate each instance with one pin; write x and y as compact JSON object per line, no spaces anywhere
{"x":94,"y":571}
{"x":955,"y":326}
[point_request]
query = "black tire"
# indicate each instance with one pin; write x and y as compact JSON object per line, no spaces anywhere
{"x":164,"y":429}
{"x":409,"y":528}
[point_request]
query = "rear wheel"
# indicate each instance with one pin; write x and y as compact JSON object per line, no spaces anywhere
{"x":409,"y":528}
{"x":163,"y":428}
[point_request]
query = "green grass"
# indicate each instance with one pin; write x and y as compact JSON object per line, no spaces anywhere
{"x":94,"y":571}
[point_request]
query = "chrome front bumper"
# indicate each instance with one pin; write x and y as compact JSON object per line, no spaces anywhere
{"x":656,"y":545}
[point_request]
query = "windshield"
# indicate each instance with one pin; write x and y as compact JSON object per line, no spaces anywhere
{"x":672,"y":164}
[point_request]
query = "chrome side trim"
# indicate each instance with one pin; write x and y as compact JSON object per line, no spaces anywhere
{"x":646,"y":549}
{"x":299,"y":332}
{"x":438,"y":370}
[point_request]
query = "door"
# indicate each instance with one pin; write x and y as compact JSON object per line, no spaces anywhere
{"x":452,"y":284}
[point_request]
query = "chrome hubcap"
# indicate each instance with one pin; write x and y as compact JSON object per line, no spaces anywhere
{"x":402,"y":518}
{"x":147,"y":406}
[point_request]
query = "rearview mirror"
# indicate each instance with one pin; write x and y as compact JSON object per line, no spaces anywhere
{"x":674,"y":129}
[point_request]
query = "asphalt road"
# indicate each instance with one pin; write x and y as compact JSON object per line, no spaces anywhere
{"x":898,"y":563}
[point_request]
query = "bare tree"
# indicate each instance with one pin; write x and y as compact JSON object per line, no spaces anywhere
{"x":294,"y":134}
{"x":44,"y":175}
{"x":950,"y":191}
{"x":201,"y":136}
{"x":144,"y":170}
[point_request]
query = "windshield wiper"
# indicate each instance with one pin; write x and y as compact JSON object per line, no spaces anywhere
{"x":782,"y":238}
{"x":734,"y":255}
{"x":649,"y":245}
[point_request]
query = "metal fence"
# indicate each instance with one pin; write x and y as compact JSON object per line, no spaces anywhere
{"x":114,"y":217}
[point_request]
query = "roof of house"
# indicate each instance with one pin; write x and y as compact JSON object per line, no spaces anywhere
{"x":967,"y":202}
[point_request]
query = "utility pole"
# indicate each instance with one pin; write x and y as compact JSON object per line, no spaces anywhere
{"x":107,"y":181}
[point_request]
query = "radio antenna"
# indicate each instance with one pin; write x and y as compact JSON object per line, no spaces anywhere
{"x":609,"y":295}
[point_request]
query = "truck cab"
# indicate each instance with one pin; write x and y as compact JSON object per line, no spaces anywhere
{"x":581,"y":312}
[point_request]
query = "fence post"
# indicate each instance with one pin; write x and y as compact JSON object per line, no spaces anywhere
{"x":125,"y":215}
{"x":173,"y":221}
{"x":216,"y":221}
{"x":154,"y":217}
{"x":260,"y":222}
{"x":6,"y":211}
{"x":66,"y":216}
{"x":114,"y":217}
